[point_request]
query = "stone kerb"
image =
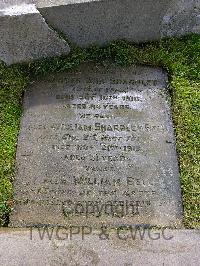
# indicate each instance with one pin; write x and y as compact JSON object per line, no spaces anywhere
{"x":25,"y":23}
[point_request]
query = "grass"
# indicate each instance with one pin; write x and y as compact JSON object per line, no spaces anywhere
{"x":12,"y":84}
{"x":180,"y":57}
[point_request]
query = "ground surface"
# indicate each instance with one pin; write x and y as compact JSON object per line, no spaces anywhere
{"x":180,"y":57}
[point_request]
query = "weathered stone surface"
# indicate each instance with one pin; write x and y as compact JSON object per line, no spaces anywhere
{"x":182,"y":17}
{"x":97,"y":145}
{"x":15,"y":3}
{"x":100,"y":22}
{"x":25,"y":36}
{"x":86,"y":22}
{"x":18,"y":249}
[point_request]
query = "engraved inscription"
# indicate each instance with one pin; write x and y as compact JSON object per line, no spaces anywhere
{"x":97,"y":147}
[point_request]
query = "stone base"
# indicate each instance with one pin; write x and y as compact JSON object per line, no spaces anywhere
{"x":84,"y":247}
{"x":100,"y":22}
{"x":25,"y":36}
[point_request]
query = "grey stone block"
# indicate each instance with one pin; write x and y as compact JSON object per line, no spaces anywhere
{"x":86,"y":22}
{"x":84,"y":247}
{"x":100,"y":22}
{"x":25,"y":36}
{"x":182,"y":17}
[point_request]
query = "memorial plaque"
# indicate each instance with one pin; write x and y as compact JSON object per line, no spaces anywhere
{"x":97,"y":146}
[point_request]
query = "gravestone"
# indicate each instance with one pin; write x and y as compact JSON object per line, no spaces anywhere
{"x":97,"y":146}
